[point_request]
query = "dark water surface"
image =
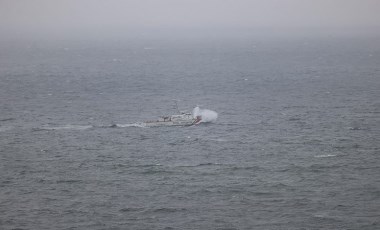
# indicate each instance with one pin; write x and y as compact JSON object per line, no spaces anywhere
{"x":296,"y":144}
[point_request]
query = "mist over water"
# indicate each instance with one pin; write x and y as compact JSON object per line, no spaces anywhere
{"x":185,"y":20}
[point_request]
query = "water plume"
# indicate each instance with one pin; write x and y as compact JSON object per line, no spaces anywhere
{"x":206,"y":114}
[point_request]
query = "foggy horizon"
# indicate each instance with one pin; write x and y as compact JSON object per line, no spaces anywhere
{"x":186,"y":19}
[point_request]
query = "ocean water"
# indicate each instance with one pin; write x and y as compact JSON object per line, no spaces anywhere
{"x":295,"y":145}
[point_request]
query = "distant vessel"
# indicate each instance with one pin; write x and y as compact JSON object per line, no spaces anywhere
{"x":182,"y":119}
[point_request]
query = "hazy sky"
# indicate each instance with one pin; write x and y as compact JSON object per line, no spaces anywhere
{"x":69,"y":17}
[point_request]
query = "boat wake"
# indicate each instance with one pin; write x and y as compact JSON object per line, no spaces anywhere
{"x":66,"y":127}
{"x":137,"y":125}
{"x":85,"y":127}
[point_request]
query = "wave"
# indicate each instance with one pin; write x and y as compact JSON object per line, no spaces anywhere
{"x":201,"y":165}
{"x":326,"y":155}
{"x":217,"y":139}
{"x":5,"y":128}
{"x":7,"y":119}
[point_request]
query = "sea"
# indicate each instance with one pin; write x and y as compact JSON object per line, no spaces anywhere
{"x":296,"y":144}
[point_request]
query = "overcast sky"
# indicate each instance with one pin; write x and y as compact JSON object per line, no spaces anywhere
{"x":68,"y":17}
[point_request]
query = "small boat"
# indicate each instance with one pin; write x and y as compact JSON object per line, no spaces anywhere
{"x":182,"y":119}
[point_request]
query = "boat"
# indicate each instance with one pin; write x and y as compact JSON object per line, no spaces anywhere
{"x":181,"y":119}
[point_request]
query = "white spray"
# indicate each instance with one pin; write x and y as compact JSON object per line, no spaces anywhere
{"x":206,"y":115}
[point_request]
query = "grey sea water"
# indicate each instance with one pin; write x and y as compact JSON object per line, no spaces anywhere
{"x":296,"y":144}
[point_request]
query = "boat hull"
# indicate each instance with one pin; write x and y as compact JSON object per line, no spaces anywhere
{"x":169,"y":123}
{"x":183,"y":119}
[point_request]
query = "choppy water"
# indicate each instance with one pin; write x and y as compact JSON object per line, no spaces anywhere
{"x":296,"y":144}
